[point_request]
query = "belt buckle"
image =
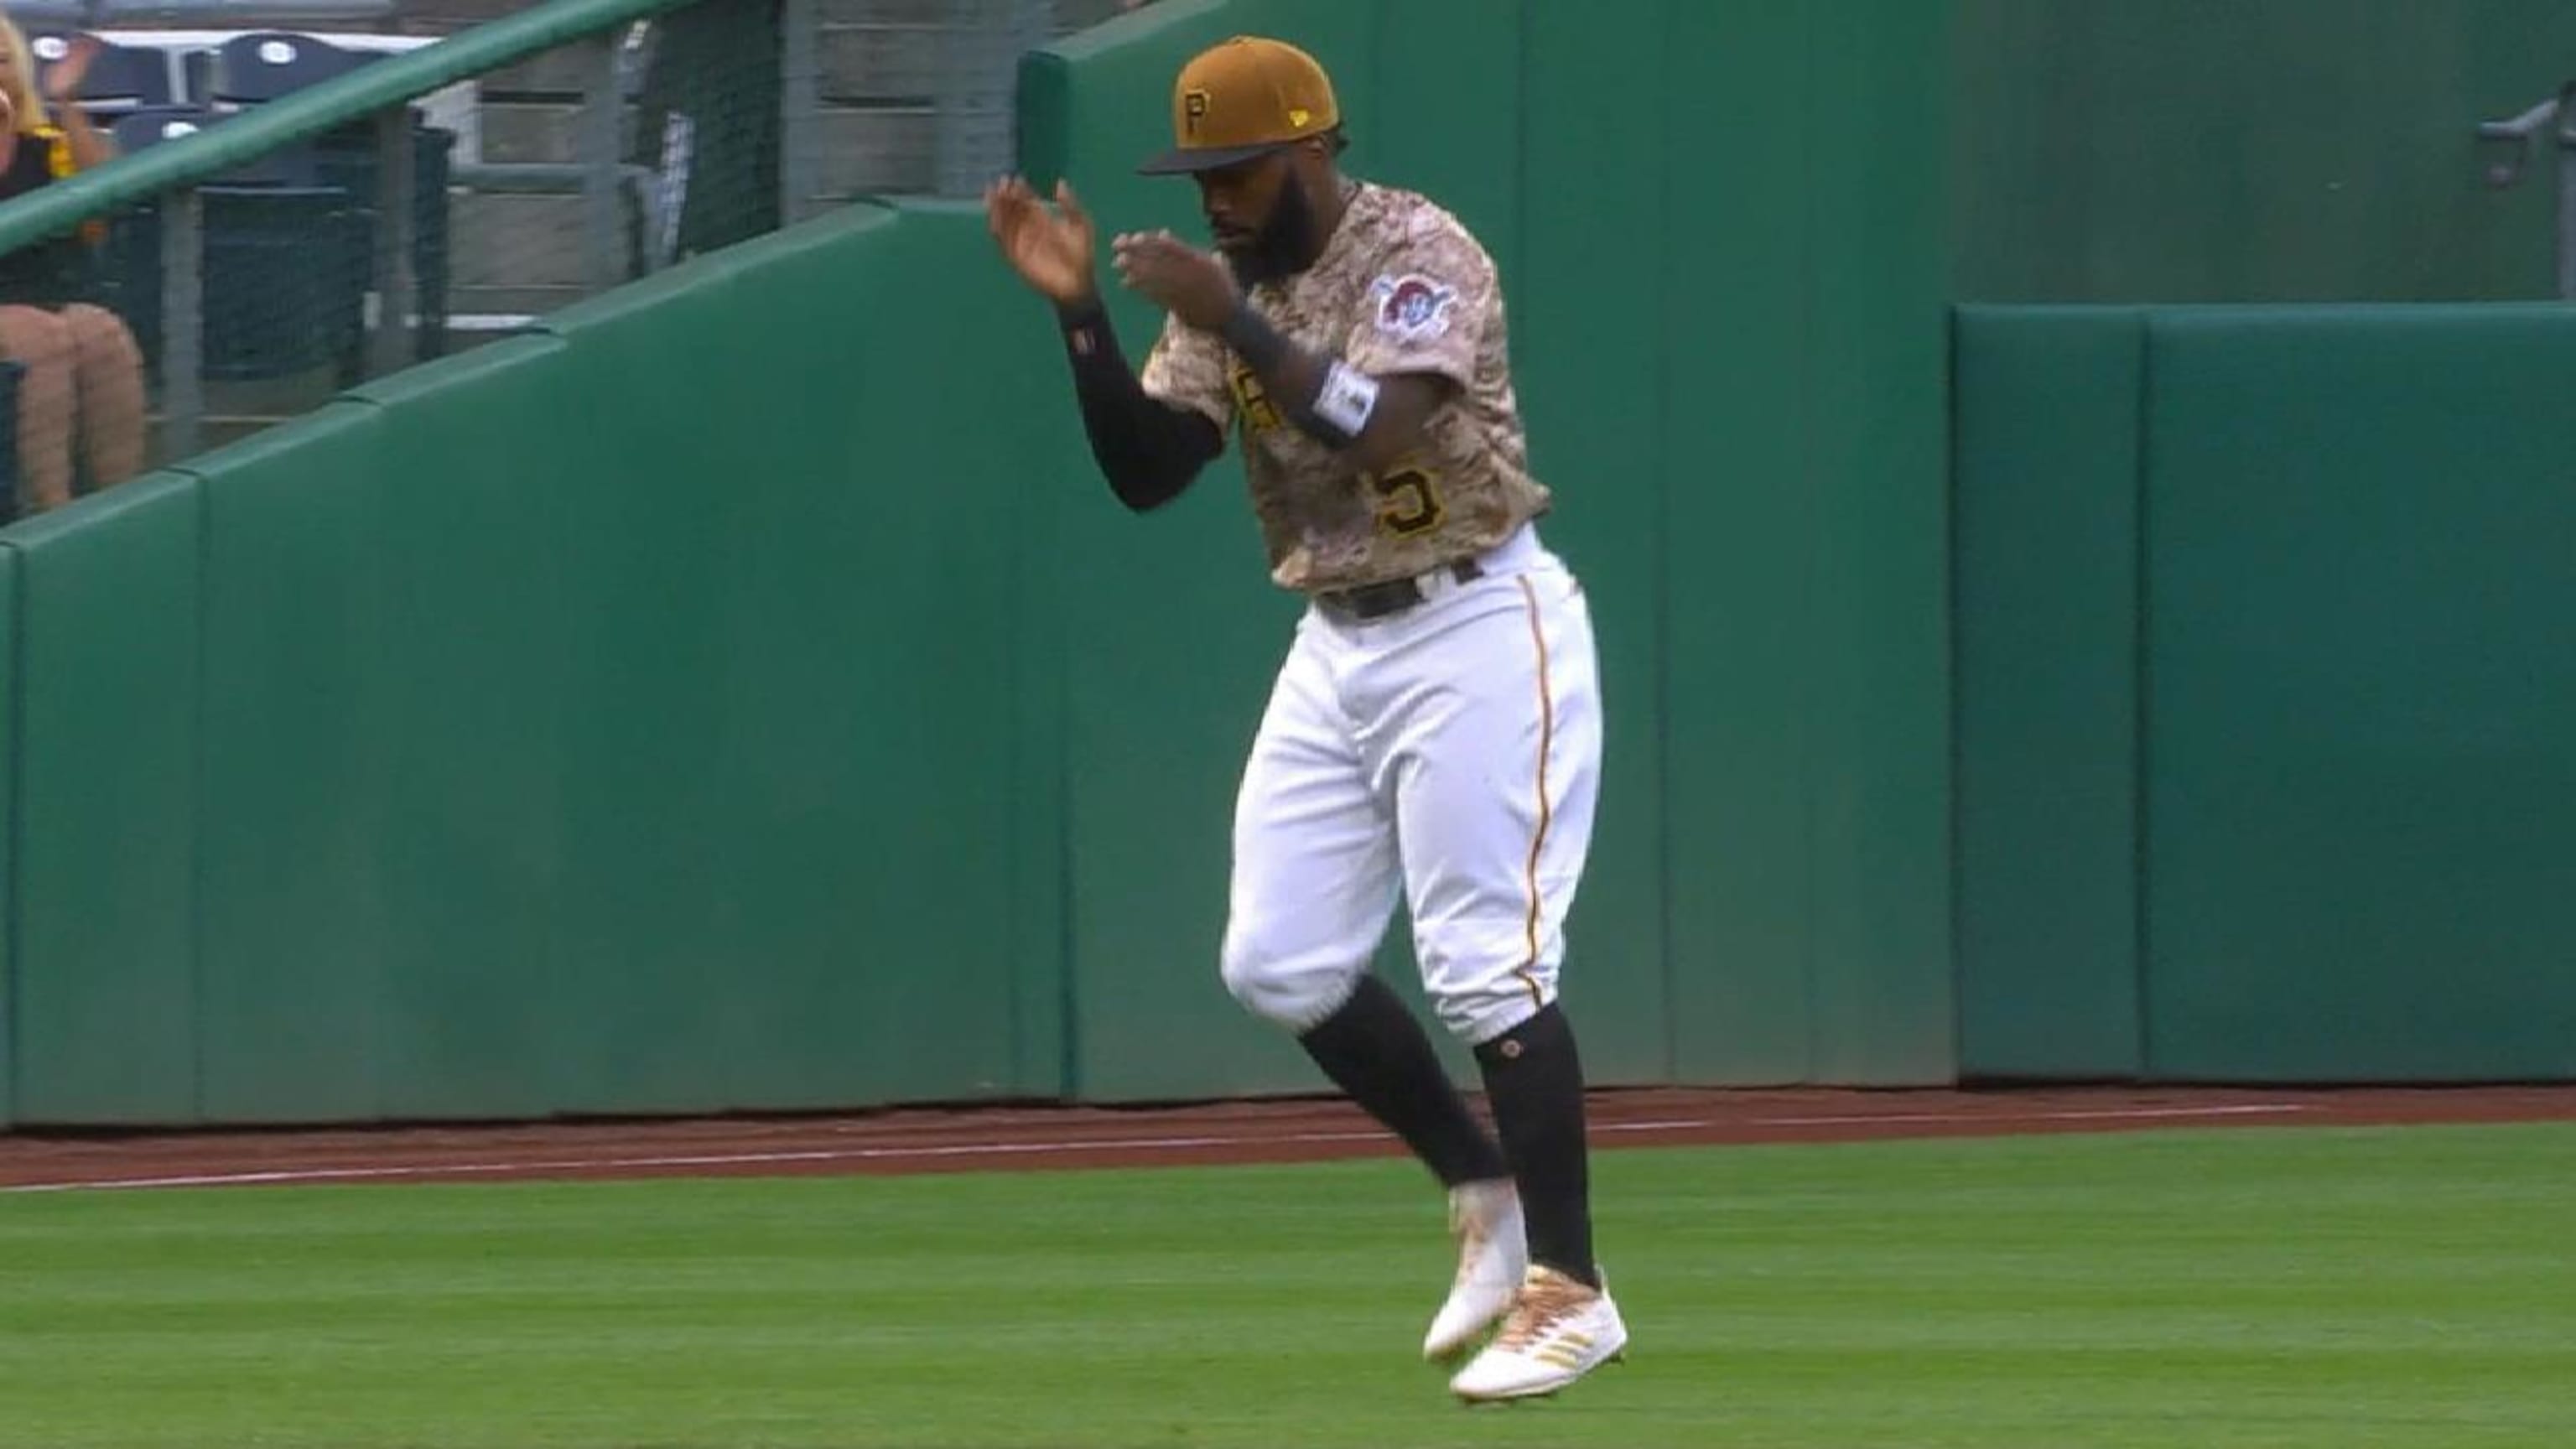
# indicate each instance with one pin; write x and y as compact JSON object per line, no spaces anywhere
{"x":1379,"y":601}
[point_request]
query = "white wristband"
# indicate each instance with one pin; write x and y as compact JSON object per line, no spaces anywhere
{"x":1349,"y":396}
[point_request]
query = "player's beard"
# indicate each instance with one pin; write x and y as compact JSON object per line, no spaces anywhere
{"x":1288,"y":243}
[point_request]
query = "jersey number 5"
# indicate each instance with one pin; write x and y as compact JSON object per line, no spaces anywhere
{"x":1408,"y":500}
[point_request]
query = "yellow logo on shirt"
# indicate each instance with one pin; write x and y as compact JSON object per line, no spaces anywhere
{"x":1249,"y":399}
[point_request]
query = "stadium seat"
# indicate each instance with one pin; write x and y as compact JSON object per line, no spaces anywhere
{"x":284,"y":281}
{"x":150,"y":126}
{"x":122,"y":77}
{"x":344,"y":166}
{"x":286,"y":264}
{"x":262,"y":65}
{"x":348,"y":159}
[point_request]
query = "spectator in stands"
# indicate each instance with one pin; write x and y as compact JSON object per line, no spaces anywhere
{"x":84,"y":374}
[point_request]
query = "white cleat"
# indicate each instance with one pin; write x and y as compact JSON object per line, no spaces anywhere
{"x":1558,"y":1330}
{"x":1493,"y":1254}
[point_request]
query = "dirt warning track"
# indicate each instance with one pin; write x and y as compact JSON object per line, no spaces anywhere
{"x":1057,"y":1138}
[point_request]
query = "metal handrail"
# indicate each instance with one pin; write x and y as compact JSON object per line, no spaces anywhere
{"x":2517,"y":134}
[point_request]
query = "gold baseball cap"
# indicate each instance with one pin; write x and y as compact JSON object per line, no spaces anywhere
{"x":1242,"y":98}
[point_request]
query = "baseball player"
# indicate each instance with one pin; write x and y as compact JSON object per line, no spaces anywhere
{"x":1436,"y":725}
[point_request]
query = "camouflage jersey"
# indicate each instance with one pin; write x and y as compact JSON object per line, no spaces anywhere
{"x":1401,"y":287}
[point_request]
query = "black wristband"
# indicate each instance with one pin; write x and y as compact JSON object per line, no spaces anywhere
{"x":1083,"y":323}
{"x":1338,"y":411}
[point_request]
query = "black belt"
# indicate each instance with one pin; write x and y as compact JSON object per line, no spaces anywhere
{"x":1376,"y":601}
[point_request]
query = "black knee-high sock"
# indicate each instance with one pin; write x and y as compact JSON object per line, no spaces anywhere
{"x":1374,"y":1050}
{"x":1534,"y":1083}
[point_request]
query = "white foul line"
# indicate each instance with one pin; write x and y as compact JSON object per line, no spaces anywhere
{"x":1115,"y":1144}
{"x":715,"y":1159}
{"x":2103,"y":1114}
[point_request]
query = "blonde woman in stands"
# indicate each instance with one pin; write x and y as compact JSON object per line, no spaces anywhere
{"x":84,"y":374}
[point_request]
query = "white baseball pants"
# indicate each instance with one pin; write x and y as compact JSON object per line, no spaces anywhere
{"x":1452,"y":750}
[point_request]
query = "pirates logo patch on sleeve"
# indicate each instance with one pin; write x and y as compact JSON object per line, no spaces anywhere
{"x":1412,"y":307}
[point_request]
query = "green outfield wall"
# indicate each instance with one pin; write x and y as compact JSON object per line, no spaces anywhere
{"x":624,"y":718}
{"x":2267,"y":694}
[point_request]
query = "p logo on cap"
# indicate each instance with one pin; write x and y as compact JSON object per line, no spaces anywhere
{"x":1242,"y":98}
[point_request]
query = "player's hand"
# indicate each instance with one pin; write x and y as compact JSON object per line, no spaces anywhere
{"x":1051,"y":250}
{"x":1195,"y":286}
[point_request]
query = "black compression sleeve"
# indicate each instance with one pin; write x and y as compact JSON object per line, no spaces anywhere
{"x":1148,"y":450}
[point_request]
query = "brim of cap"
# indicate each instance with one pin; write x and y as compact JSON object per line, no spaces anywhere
{"x":1186,"y":160}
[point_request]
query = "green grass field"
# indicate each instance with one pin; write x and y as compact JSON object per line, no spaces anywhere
{"x":2222,"y":1290}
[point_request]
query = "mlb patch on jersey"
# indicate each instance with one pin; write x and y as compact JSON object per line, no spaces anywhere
{"x":1412,"y":307}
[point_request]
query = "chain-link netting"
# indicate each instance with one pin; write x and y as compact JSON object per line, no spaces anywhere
{"x":206,"y":311}
{"x":222,"y":303}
